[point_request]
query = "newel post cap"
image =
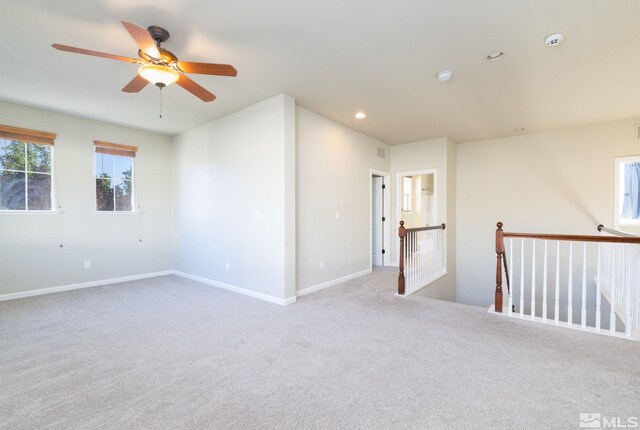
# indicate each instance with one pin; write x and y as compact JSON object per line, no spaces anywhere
{"x":499,"y":225}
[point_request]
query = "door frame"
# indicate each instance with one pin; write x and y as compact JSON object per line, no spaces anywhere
{"x":398,"y":199}
{"x":386,"y":225}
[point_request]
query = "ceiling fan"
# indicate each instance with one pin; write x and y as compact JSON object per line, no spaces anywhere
{"x":158,"y":65}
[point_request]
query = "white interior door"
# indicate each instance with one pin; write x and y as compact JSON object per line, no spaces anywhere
{"x":377,"y":201}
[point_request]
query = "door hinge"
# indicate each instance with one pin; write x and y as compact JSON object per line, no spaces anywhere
{"x":383,"y":251}
{"x":384,"y":186}
{"x":383,"y":219}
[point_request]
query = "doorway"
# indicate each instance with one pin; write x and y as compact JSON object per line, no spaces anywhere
{"x":380,"y":209}
{"x":417,"y":198}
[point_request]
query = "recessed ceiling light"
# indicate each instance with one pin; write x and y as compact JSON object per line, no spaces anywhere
{"x":494,"y":55}
{"x":554,"y":39}
{"x":444,"y":76}
{"x":361,"y":115}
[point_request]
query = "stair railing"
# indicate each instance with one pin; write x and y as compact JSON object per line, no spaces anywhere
{"x":620,"y":279}
{"x":579,"y":283}
{"x":421,"y":258}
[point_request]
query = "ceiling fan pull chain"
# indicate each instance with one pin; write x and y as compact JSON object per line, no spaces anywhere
{"x":160,"y":102}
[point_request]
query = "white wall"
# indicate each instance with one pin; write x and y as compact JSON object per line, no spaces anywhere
{"x":333,"y":175}
{"x":30,"y":254}
{"x":552,"y":182}
{"x":435,"y":154}
{"x":226,"y":172}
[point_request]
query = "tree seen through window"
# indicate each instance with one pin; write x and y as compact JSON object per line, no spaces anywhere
{"x":114,"y":182}
{"x":25,"y":175}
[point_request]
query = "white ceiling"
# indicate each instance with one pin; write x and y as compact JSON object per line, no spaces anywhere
{"x":337,"y":57}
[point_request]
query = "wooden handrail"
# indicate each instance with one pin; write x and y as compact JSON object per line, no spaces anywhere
{"x":602,"y":228}
{"x":433,"y":227}
{"x":573,"y":237}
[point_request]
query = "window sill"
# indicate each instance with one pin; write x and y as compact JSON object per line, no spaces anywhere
{"x":629,"y":222}
{"x":117,"y":212}
{"x":5,"y":212}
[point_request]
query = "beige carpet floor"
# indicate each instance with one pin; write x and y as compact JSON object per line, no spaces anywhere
{"x":170,"y":353}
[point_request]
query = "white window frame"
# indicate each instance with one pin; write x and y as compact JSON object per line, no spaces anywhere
{"x":134,"y":205}
{"x":619,"y":190}
{"x":407,"y":197}
{"x":54,"y":203}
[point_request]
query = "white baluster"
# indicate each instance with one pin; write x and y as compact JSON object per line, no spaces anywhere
{"x":421,"y":258}
{"x":598,"y":292}
{"x":413,"y":261}
{"x":511,"y":267}
{"x":544,"y":284}
{"x":556,"y":309}
{"x":410,"y":254}
{"x":522,"y":278}
{"x":612,"y":314}
{"x":583,"y":316}
{"x":627,"y":288}
{"x":408,"y":263}
{"x":434,"y":238}
{"x":533,"y":280}
{"x":570,"y":287}
{"x":426,"y":254}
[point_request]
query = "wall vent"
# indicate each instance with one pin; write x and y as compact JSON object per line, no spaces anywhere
{"x":382,"y":152}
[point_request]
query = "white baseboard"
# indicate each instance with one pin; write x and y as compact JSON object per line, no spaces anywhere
{"x":39,"y":292}
{"x":235,"y":289}
{"x":331,"y":283}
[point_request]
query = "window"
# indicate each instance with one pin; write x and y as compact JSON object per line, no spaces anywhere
{"x":628,"y":191}
{"x":114,"y":177}
{"x":26,"y":169}
{"x":407,"y":190}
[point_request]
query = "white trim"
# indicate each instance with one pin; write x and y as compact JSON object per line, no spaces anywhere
{"x":42,"y":291}
{"x":29,"y":212}
{"x":116,"y":213}
{"x":265,"y":297}
{"x":551,"y":322}
{"x":386,"y":226}
{"x":331,"y":283}
{"x":618,"y":188}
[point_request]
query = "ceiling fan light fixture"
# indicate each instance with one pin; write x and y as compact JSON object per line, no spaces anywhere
{"x":160,"y":76}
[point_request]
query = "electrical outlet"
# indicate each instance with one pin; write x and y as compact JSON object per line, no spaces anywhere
{"x":322,"y":264}
{"x":87,"y":264}
{"x":227,"y":266}
{"x":337,"y":215}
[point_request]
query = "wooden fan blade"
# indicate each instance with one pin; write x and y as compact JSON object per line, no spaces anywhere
{"x":207,"y":68}
{"x":94,"y":53}
{"x":143,"y":39}
{"x":136,"y":84}
{"x":195,"y":89}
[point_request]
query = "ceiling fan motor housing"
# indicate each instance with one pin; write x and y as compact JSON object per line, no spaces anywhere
{"x":159,"y":34}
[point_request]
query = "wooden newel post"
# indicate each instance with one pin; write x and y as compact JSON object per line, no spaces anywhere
{"x":499,"y":252}
{"x":402,"y":232}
